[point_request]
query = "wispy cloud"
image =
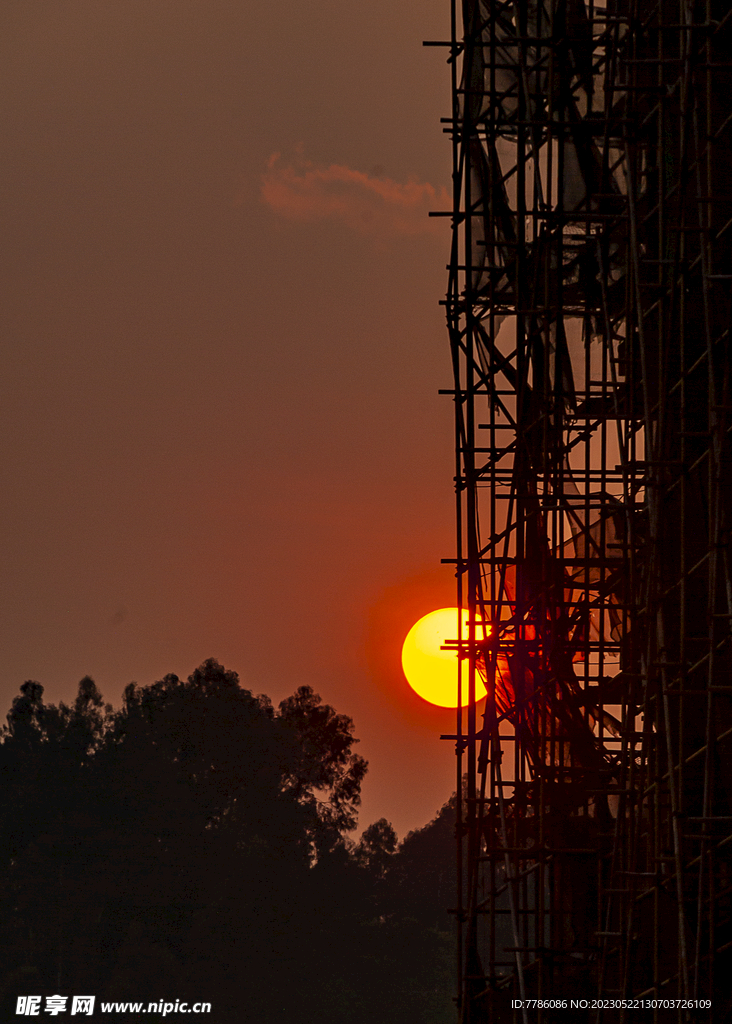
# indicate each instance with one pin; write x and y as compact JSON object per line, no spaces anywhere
{"x":367,"y":203}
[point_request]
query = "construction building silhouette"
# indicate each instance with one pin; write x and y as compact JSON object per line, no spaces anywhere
{"x":588,"y":309}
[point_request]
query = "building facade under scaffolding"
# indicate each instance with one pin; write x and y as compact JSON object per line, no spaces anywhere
{"x":588,"y":308}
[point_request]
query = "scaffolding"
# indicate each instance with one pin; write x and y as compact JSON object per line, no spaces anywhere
{"x":588,"y":310}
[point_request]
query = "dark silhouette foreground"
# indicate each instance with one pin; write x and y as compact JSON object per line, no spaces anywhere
{"x":193,"y":845}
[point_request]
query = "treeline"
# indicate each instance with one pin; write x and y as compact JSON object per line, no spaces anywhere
{"x":194,"y":845}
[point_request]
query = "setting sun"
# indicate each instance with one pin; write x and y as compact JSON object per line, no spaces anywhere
{"x":430,"y":671}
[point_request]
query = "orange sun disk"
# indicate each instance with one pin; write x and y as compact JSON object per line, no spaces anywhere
{"x":432,"y":672}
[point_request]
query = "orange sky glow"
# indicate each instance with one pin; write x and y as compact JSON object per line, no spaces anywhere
{"x":222,"y":433}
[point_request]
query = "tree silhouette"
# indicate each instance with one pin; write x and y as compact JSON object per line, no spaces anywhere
{"x":194,"y":845}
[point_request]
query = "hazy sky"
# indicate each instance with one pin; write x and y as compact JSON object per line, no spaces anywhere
{"x":221,"y":352}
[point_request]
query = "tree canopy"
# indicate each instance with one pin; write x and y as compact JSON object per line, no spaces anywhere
{"x":193,"y":844}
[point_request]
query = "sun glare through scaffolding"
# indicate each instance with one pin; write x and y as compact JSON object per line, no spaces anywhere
{"x":588,"y":310}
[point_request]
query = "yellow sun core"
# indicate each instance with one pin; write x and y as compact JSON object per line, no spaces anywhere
{"x":433,"y":672}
